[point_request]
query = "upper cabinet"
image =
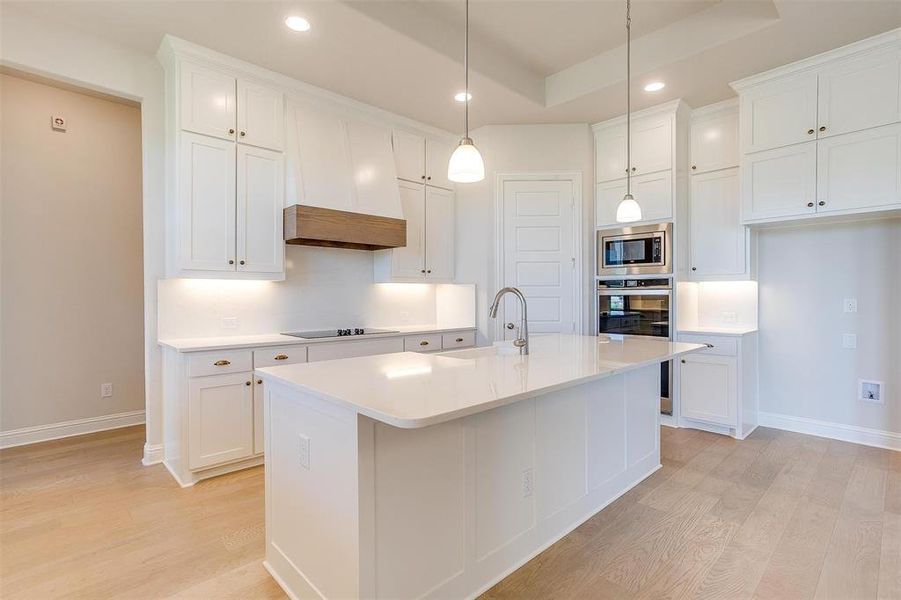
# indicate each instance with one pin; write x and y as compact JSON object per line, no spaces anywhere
{"x":714,"y":138}
{"x":821,"y":136}
{"x":261,"y":116}
{"x":420,"y":159}
{"x":207,"y":101}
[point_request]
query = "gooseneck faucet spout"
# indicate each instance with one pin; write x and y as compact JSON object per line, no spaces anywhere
{"x":522,"y":340}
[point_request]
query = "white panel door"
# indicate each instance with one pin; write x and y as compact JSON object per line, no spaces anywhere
{"x":714,"y":142}
{"x":779,"y":113}
{"x":409,"y":261}
{"x":437,"y":156}
{"x":439,"y":233}
{"x":780,"y":182}
{"x":540,"y":254}
{"x":717,"y":238}
{"x":206,"y":203}
{"x":653,"y":192}
{"x":409,"y":155}
{"x":610,"y":153}
{"x":652,"y":144}
{"x":859,"y":170}
{"x":859,"y":94}
{"x":207,"y":101}
{"x":708,"y":389}
{"x":220,"y":419}
{"x":372,"y":164}
{"x":261,"y":116}
{"x":260,"y":202}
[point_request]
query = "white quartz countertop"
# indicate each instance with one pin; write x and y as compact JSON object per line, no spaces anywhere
{"x":201,"y":344}
{"x":411,"y":390}
{"x":736,"y":331}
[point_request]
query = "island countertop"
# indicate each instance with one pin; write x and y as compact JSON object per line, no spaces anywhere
{"x":411,"y":390}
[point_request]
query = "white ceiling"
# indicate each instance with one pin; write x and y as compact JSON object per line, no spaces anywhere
{"x":533,"y":61}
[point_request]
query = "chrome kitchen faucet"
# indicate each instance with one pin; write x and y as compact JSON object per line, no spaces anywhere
{"x":522,"y":338}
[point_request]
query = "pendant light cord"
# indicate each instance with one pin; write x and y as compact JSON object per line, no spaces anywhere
{"x":466,"y":76}
{"x":628,"y":97}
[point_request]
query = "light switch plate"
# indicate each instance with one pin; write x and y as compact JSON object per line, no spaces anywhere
{"x":850,"y":305}
{"x":304,"y":454}
{"x":106,"y":390}
{"x":849,"y":340}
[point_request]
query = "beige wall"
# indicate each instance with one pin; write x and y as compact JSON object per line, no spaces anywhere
{"x":70,"y":256}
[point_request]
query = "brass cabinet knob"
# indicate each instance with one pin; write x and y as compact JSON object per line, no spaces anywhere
{"x":810,"y":132}
{"x":222,"y":363}
{"x":459,"y":340}
{"x":694,"y":167}
{"x":429,"y":271}
{"x":231,"y":131}
{"x":423,"y":271}
{"x":281,"y":357}
{"x":822,"y":203}
{"x":259,"y":382}
{"x":822,"y":128}
{"x":243,"y":133}
{"x":810,"y":205}
{"x":423,"y":343}
{"x":231,"y":262}
{"x":246,"y":383}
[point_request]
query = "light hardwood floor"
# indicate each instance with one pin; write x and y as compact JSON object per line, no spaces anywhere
{"x":780,"y":515}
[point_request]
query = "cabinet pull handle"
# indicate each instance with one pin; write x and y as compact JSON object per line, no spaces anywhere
{"x":423,"y":343}
{"x":683,"y":361}
{"x":694,"y":268}
{"x":259,"y":382}
{"x":231,"y":131}
{"x":246,"y":383}
{"x":281,"y":357}
{"x":459,"y":339}
{"x":709,"y":345}
{"x":823,"y":128}
{"x":222,"y":363}
{"x":822,"y":203}
{"x":810,"y":132}
{"x":694,"y":167}
{"x":810,"y":205}
{"x":231,"y":262}
{"x":243,"y":133}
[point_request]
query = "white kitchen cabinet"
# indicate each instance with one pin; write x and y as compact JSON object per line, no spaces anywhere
{"x":439,"y":234}
{"x":860,"y":93}
{"x":707,"y":388}
{"x":353,"y":348}
{"x":779,"y":113}
{"x":780,"y":182}
{"x":714,"y":138}
{"x":409,"y":261}
{"x":718,"y":242}
{"x":220,"y":419}
{"x":860,"y":170}
{"x":260,"y":202}
{"x":269,"y":357}
{"x":372,"y":169}
{"x":207,"y":100}
{"x":610,"y":153}
{"x":421,"y":160}
{"x":261,"y":116}
{"x":259,"y":424}
{"x":652,"y":144}
{"x":437,"y":156}
{"x":653,"y":192}
{"x":206,"y":203}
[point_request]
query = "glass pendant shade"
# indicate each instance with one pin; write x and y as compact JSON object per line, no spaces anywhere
{"x":466,"y":164}
{"x":628,"y":210}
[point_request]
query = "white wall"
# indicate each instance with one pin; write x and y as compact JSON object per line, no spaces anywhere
{"x":518,"y":149}
{"x":716,"y":304}
{"x":804,"y":274}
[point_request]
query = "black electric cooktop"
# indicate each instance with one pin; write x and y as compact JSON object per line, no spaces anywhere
{"x":327,"y":333}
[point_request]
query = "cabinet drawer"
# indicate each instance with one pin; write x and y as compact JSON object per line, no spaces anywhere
{"x":279,"y":355}
{"x":350,"y":349}
{"x":214,"y":363}
{"x":722,"y":345}
{"x":460,"y":339}
{"x":423,"y":343}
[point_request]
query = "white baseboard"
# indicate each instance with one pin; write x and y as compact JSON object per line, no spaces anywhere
{"x":153,"y":454}
{"x":837,"y":431}
{"x":55,"y":431}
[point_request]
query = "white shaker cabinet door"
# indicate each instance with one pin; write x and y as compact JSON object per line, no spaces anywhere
{"x":206,"y":203}
{"x":372,"y":169}
{"x":437,"y":158}
{"x":708,"y":389}
{"x":714,"y":143}
{"x":207,"y":101}
{"x":261,"y":116}
{"x":220,"y":419}
{"x":260,"y":204}
{"x":860,"y":94}
{"x":859,"y":170}
{"x":780,"y":182}
{"x":439,"y":233}
{"x":779,"y":113}
{"x":652,"y":144}
{"x":409,"y":155}
{"x":607,"y":197}
{"x":610,"y":153}
{"x":409,"y":261}
{"x":653,"y":192}
{"x":717,"y":238}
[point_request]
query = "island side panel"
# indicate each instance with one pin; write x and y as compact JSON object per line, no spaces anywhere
{"x":460,"y":505}
{"x":312,"y":517}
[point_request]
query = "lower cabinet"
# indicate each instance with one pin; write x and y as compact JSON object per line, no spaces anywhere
{"x":220,"y":419}
{"x":707,"y":388}
{"x":258,"y":445}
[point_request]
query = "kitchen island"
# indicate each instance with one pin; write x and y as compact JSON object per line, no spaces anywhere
{"x":410,"y":475}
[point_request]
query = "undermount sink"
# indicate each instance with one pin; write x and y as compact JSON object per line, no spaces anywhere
{"x":505,"y":349}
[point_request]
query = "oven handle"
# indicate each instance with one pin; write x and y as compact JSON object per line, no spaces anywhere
{"x":635,"y":292}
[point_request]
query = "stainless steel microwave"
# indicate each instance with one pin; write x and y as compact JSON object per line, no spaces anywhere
{"x":640,"y":250}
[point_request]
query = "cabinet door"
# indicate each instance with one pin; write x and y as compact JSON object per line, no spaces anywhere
{"x":206,"y":101}
{"x":708,"y":389}
{"x":260,"y":204}
{"x":220,"y":419}
{"x":439,"y":233}
{"x":780,"y":182}
{"x":779,"y":113}
{"x":717,"y":237}
{"x":610,"y":153}
{"x":261,"y":116}
{"x":859,"y":94}
{"x":653,"y":192}
{"x":409,"y":156}
{"x":437,"y":156}
{"x":714,"y":142}
{"x":372,"y":164}
{"x":652,"y":144}
{"x":859,"y":170}
{"x":206,"y":203}
{"x":259,"y":439}
{"x":409,"y":261}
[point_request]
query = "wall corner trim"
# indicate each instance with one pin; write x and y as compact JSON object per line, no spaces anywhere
{"x":55,"y":431}
{"x":836,"y":431}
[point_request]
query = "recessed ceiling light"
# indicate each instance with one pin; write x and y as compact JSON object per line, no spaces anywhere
{"x":297,"y":23}
{"x":462,"y":97}
{"x":654,"y":86}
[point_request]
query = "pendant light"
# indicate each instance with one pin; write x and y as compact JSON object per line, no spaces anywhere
{"x":628,"y":209}
{"x":466,"y":165}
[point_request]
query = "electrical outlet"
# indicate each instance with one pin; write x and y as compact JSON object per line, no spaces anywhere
{"x":106,"y":390}
{"x":730,"y":317}
{"x":527,"y":483}
{"x":404,"y":317}
{"x":58,"y":123}
{"x":850,"y":305}
{"x":229,"y":323}
{"x":849,"y":340}
{"x":304,"y":452}
{"x":870,"y":391}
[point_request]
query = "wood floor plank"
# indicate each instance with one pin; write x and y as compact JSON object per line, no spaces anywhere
{"x":890,"y":558}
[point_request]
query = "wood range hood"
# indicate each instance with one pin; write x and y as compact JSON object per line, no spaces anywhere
{"x":313,"y":226}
